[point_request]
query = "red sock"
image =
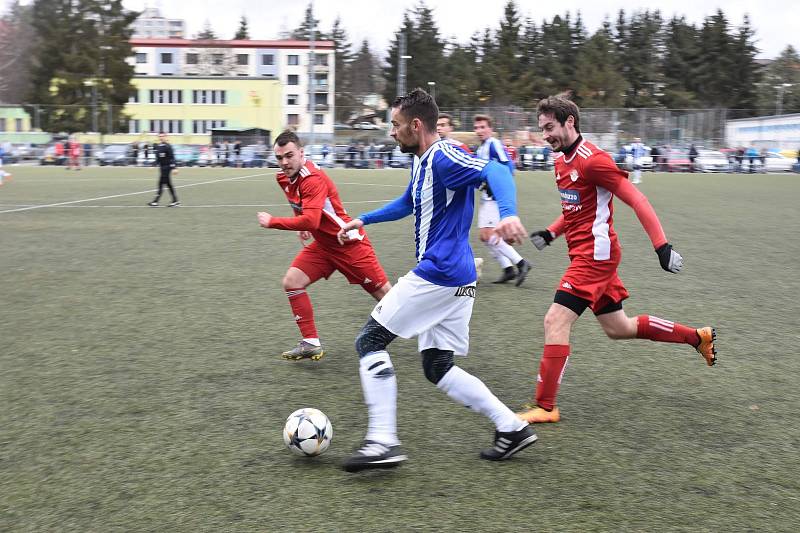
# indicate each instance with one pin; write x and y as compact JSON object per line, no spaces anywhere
{"x":303,"y":312}
{"x":551,"y":369}
{"x":660,"y":330}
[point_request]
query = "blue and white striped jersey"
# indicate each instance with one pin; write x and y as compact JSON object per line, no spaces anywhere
{"x":493,"y":150}
{"x":638,"y":151}
{"x":440,"y":197}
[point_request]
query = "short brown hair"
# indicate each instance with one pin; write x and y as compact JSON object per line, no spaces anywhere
{"x":483,"y":118}
{"x":418,"y":104}
{"x":561,"y":108}
{"x":286,"y":137}
{"x":447,"y":116}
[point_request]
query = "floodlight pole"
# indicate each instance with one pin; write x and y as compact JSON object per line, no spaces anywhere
{"x":311,"y":63}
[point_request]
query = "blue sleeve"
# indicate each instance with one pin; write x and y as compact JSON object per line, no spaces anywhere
{"x":396,"y":209}
{"x":504,"y":190}
{"x":498,"y":153}
{"x":458,"y":169}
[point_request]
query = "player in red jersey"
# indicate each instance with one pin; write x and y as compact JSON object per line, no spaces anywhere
{"x":444,"y":127}
{"x":588,"y":180}
{"x":74,"y":149}
{"x":319,"y":214}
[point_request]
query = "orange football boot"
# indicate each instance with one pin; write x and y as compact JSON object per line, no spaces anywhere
{"x":537,"y":415}
{"x":706,"y":347}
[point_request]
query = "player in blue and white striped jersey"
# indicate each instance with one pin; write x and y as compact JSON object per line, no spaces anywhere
{"x":491,"y":149}
{"x":434,"y":300}
{"x":638,"y":151}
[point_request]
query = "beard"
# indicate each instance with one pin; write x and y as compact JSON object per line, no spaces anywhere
{"x":408,"y":148}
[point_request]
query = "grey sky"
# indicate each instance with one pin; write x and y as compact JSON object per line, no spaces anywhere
{"x":775,"y":21}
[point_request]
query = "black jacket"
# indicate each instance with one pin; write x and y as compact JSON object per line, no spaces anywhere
{"x":165,"y":157}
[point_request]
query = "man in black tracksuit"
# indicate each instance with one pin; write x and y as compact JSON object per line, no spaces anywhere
{"x":165,"y":159}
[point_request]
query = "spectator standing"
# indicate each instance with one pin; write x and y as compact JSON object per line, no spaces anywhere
{"x":692,"y":157}
{"x":165,"y":159}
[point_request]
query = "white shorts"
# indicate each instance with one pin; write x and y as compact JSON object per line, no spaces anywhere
{"x":488,"y":214}
{"x":437,"y":315}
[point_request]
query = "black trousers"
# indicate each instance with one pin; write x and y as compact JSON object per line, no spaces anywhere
{"x":165,"y":178}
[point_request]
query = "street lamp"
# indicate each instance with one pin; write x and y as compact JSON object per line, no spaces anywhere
{"x":779,"y":97}
{"x":432,"y":90}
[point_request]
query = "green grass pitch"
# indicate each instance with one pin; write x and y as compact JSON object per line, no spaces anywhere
{"x":141,"y":387}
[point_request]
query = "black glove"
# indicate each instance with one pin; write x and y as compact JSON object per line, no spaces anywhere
{"x":542,"y":238}
{"x":670,"y":260}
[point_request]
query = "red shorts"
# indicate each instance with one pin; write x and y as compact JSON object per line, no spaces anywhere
{"x":594,"y":281}
{"x":357,"y":262}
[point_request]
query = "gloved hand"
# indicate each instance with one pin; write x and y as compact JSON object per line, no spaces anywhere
{"x":670,"y":260}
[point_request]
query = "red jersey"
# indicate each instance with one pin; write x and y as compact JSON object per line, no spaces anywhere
{"x":459,"y":144}
{"x":587,"y":179}
{"x":317,"y":207}
{"x":74,"y":149}
{"x":512,"y":153}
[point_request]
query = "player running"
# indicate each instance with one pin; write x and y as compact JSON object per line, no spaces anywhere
{"x":491,"y":149}
{"x":433,"y":302}
{"x":587,"y":180}
{"x":319,"y":213}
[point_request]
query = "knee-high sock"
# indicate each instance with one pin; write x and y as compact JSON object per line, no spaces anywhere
{"x":379,"y":383}
{"x":509,"y":251}
{"x":303,"y":312}
{"x":551,"y":370}
{"x":501,"y":258}
{"x":471,"y":392}
{"x":660,"y":330}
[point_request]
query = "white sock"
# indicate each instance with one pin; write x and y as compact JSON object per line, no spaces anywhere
{"x":637,"y":175}
{"x":471,"y":392}
{"x":379,"y":384}
{"x":314,"y":341}
{"x":509,"y":251}
{"x":501,"y":258}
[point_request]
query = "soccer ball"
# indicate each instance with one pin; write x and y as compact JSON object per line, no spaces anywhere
{"x":307,"y":432}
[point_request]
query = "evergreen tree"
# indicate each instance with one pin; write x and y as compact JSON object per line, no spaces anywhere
{"x":81,"y":60}
{"x":303,"y":31}
{"x":599,"y":82}
{"x":459,"y":86}
{"x":641,"y":52}
{"x":718,"y":73}
{"x":746,"y":73}
{"x":207,"y":34}
{"x":17,"y":41}
{"x":781,"y":84}
{"x":366,"y":65}
{"x":681,"y":61}
{"x":345,"y":102}
{"x":242,"y":33}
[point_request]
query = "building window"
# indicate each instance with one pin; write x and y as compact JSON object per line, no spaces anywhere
{"x":192,"y":59}
{"x":133,"y":98}
{"x":200,"y":96}
{"x":292,"y":99}
{"x":166,"y":126}
{"x":320,"y":98}
{"x":166,"y":59}
{"x":321,"y":59}
{"x":293,"y":119}
{"x":319,"y":118}
{"x":2,"y":124}
{"x":205,"y":126}
{"x":242,"y":59}
{"x":217,"y":59}
{"x":293,"y":79}
{"x":267,"y":59}
{"x":321,"y":81}
{"x":141,"y":57}
{"x":18,"y":124}
{"x":133,"y":126}
{"x":166,"y":96}
{"x":293,"y":59}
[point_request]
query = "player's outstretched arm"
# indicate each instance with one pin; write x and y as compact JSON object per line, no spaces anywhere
{"x":542,"y":238}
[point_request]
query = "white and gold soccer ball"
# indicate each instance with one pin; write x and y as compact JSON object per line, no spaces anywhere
{"x":308,"y":432}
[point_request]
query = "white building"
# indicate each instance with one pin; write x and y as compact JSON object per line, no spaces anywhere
{"x":286,"y":61}
{"x":778,"y":131}
{"x":151,"y":24}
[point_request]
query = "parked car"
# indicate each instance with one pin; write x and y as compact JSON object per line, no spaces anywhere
{"x":535,"y":158}
{"x":624,"y":158}
{"x":186,"y":156}
{"x":49,"y":157}
{"x":116,"y":155}
{"x":399,"y":160}
{"x":711,"y":161}
{"x":314,"y":152}
{"x":253,"y":156}
{"x":774,"y":162}
{"x":365,"y":126}
{"x":676,"y":161}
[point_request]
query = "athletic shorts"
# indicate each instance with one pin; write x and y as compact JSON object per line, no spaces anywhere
{"x":594,"y":281}
{"x":357,"y":262}
{"x":437,"y":315}
{"x":488,"y":214}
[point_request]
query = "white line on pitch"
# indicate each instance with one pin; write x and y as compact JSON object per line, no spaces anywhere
{"x":184,"y":206}
{"x":149,"y":191}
